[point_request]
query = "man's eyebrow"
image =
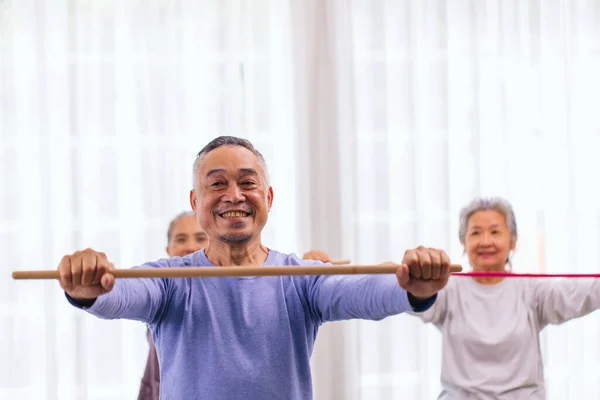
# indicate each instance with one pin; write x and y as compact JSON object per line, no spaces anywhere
{"x":241,"y":172}
{"x":248,"y":171}
{"x":215,"y":171}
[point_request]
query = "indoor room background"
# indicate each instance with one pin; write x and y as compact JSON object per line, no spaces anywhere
{"x":379,"y":120}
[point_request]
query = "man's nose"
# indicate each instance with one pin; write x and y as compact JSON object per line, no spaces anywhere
{"x":235,"y":194}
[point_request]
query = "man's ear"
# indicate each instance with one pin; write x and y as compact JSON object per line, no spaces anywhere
{"x":193,"y":199}
{"x":270,"y":197}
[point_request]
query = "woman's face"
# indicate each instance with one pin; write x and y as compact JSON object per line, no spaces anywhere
{"x":488,"y":241}
{"x":186,"y":237}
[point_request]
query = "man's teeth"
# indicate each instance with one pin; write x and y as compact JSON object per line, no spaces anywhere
{"x":234,"y":214}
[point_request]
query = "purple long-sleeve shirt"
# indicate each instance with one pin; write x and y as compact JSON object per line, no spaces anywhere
{"x":245,"y":337}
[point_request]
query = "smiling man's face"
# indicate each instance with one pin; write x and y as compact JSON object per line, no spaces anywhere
{"x":233,"y":198}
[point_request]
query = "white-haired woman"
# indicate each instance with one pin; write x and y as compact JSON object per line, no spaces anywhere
{"x":490,"y":326}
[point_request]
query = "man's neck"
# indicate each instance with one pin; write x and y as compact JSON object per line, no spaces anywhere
{"x":248,"y":254}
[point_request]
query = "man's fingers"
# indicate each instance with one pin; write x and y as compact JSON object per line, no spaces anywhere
{"x":107,"y":282}
{"x":445,"y":264}
{"x":64,"y":271}
{"x":436,"y":263}
{"x":425,"y":262}
{"x":89,"y":270}
{"x":81,"y":274}
{"x":411,"y":259}
{"x":106,"y":279}
{"x":76,"y":269}
{"x":403,"y":275}
{"x":97,"y":277}
{"x":424,"y":272}
{"x":103,"y":266}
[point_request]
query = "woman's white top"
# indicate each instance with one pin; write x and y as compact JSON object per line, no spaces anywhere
{"x":491,"y":346}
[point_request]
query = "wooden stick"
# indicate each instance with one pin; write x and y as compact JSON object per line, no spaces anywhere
{"x":208,"y":272}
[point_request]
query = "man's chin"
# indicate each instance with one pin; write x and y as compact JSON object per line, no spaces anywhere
{"x":235,"y":238}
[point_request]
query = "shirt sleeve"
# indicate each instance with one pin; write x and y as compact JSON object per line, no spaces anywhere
{"x":370,"y":297}
{"x":133,"y":298}
{"x":558,"y":301}
{"x":436,"y":314}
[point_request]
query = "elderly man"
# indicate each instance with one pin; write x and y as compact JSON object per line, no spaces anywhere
{"x":184,"y":237}
{"x":243,"y":337}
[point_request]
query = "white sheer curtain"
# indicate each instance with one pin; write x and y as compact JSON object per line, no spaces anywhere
{"x":441,"y":101}
{"x":103,"y":107}
{"x":379,"y":119}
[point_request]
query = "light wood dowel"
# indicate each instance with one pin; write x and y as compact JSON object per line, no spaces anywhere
{"x":210,"y":272}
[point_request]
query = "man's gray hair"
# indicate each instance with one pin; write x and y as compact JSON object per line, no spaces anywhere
{"x":227,"y":141}
{"x":488,"y":204}
{"x":174,"y":221}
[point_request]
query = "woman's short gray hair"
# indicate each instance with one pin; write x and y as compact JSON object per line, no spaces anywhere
{"x":488,"y":204}
{"x":174,"y":221}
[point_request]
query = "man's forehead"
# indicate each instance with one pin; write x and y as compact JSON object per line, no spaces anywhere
{"x":230,"y":159}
